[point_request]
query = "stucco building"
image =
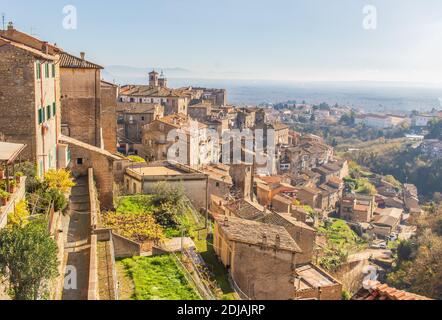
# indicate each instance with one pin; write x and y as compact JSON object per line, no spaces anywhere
{"x":177,"y":136}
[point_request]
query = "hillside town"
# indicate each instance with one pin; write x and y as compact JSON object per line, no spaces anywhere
{"x":234,"y":201}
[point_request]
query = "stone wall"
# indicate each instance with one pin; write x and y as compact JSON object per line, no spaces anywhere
{"x":263,"y":273}
{"x":125,"y":248}
{"x":81,"y":100}
{"x":109,"y":96}
{"x":108,"y":169}
{"x":17,"y":105}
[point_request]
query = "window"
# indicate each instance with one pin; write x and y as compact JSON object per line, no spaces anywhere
{"x":217,"y":184}
{"x":80,"y":161}
{"x":48,"y":112}
{"x":40,"y":116}
{"x":38,"y":69}
{"x":53,"y":71}
{"x":142,"y":118}
{"x":47,"y":70}
{"x":54,"y":109}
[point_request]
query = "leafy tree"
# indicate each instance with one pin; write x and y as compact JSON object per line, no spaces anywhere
{"x":365,"y":187}
{"x":435,"y":130}
{"x":28,"y":260}
{"x":138,"y":227}
{"x":59,"y":179}
{"x":347,"y":119}
{"x":419,"y":261}
{"x":169,"y":202}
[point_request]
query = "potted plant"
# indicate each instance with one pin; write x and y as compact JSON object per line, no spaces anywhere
{"x":18,"y":176}
{"x":12,"y":186}
{"x":4,"y":197}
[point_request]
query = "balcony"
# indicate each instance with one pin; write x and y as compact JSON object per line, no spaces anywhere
{"x":16,"y":195}
{"x":12,"y":185}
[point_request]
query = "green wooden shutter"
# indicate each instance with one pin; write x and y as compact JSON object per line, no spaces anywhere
{"x":54,"y":109}
{"x":38,"y":66}
{"x":53,"y":71}
{"x":40,"y":118}
{"x":48,"y":111}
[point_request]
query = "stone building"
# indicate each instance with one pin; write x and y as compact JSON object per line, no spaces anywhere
{"x":200,"y":111}
{"x":217,"y":97}
{"x":173,"y":100}
{"x":220,"y":181}
{"x":108,"y":168}
{"x":132,"y":117}
{"x":307,"y":154}
{"x":177,"y":136}
{"x":260,"y":257}
{"x":143,"y":178}
{"x":303,"y":234}
{"x":30,"y":97}
{"x":266,"y":262}
{"x":357,"y":208}
{"x":81,"y":99}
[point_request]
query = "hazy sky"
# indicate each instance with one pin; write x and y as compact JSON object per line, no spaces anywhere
{"x":278,"y":39}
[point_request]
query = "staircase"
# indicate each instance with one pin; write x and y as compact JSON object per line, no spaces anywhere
{"x":77,"y":247}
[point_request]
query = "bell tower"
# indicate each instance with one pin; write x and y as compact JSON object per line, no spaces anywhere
{"x":153,"y":79}
{"x":162,"y":81}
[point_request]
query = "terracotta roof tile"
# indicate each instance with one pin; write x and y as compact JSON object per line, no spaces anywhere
{"x":69,"y":61}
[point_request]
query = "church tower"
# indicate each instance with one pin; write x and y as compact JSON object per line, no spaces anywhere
{"x":153,"y":79}
{"x":162,"y":81}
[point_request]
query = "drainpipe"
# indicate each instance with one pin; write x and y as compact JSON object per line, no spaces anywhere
{"x":44,"y":115}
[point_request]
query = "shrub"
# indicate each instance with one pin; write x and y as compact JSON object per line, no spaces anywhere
{"x":59,"y":179}
{"x":20,"y":215}
{"x":136,"y":159}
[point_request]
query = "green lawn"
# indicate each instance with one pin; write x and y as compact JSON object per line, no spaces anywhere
{"x":193,"y":228}
{"x":158,"y":278}
{"x":205,"y":248}
{"x":134,"y":204}
{"x":340,"y":234}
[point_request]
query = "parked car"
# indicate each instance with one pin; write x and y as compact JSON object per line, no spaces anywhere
{"x":379,"y":245}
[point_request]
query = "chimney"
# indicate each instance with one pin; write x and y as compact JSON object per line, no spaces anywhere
{"x":264,"y":239}
{"x":278,"y":241}
{"x":82,"y":55}
{"x":45,"y":48}
{"x":10,"y":26}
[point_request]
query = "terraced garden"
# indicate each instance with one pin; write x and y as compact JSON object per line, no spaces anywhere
{"x":157,"y":278}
